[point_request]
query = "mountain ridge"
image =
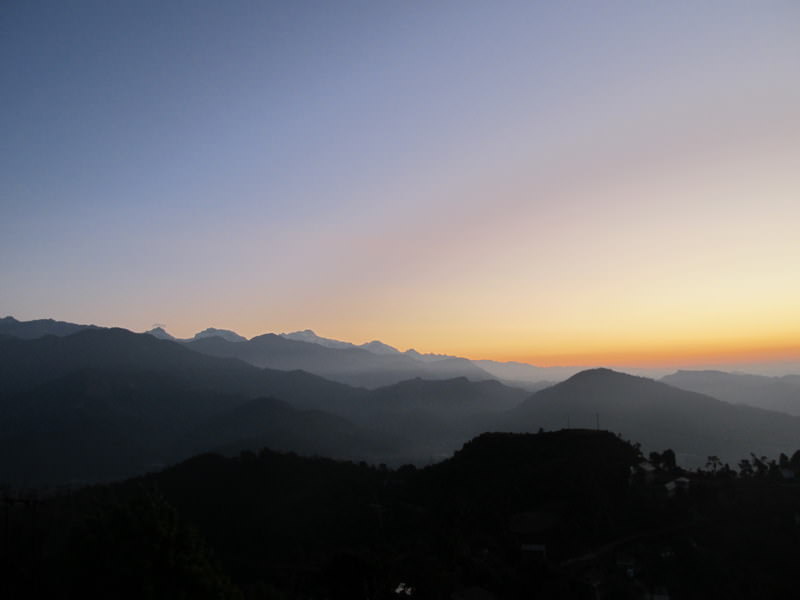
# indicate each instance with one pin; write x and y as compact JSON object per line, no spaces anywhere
{"x":772,"y":393}
{"x":659,"y":415}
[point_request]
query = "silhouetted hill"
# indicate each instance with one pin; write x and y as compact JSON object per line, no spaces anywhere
{"x":106,"y":403}
{"x":554,"y":515}
{"x":320,"y":528}
{"x":658,"y":415}
{"x":772,"y":393}
{"x":24,"y":363}
{"x":29,"y":330}
{"x":581,"y":472}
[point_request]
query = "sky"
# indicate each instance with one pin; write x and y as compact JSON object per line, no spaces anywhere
{"x":555,"y":183}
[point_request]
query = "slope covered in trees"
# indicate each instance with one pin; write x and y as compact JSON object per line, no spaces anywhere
{"x":571,"y":514}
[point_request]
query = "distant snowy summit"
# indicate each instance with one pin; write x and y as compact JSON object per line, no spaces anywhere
{"x":520,"y":374}
{"x":378,"y":347}
{"x":161,"y":333}
{"x":226,"y":334}
{"x":308,"y":336}
{"x":375,"y":346}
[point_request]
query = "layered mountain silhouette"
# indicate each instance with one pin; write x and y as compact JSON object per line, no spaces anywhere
{"x":516,"y":373}
{"x":307,"y":335}
{"x":25,"y":363}
{"x":29,"y":330}
{"x":354,"y":366}
{"x":375,"y":346}
{"x":773,"y":393}
{"x":105,"y":403}
{"x":513,"y":373}
{"x":658,"y":415}
{"x":525,"y":374}
{"x":108,"y":403}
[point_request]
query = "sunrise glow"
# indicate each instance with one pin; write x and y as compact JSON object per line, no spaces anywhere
{"x":552,"y":184}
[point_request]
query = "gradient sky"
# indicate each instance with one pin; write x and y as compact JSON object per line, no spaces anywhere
{"x":559,"y":183}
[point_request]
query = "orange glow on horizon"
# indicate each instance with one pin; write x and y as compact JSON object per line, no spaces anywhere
{"x":653,"y":358}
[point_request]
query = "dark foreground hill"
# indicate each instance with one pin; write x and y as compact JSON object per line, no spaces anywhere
{"x":658,"y":415}
{"x":554,"y":515}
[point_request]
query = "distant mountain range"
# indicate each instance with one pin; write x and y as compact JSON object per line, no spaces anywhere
{"x":225,"y":334}
{"x":773,"y":393}
{"x":375,"y":346}
{"x":658,"y":415}
{"x":360,"y":369}
{"x":518,"y":374}
{"x":107,"y":403}
{"x":354,"y":366}
{"x":371,"y":365}
{"x":29,"y":330}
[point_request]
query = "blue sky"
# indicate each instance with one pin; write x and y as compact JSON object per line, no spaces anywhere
{"x":539,"y":181}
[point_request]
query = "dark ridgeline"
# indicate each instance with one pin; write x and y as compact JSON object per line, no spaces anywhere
{"x":570,"y":514}
{"x":29,"y":330}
